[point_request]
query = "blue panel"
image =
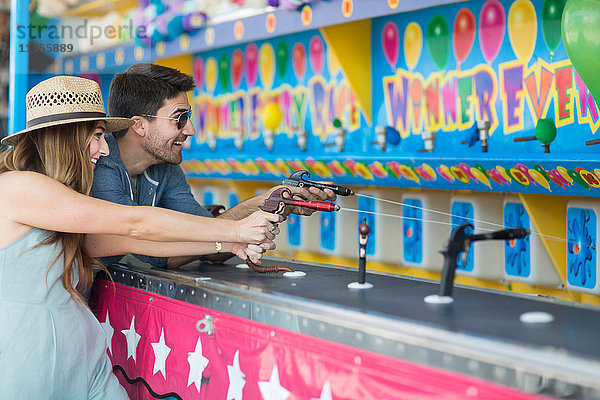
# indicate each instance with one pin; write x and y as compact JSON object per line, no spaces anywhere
{"x":294,"y":224}
{"x":463,"y":212}
{"x":233,"y":199}
{"x":328,"y":231}
{"x":367,"y":204}
{"x":208,"y":197}
{"x":517,"y":252}
{"x":581,"y":247}
{"x":412,"y":233}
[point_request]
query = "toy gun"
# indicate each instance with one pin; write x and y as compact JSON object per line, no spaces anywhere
{"x":276,"y":202}
{"x":298,"y":179}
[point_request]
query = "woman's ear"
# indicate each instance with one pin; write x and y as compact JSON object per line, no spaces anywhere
{"x":140,"y":126}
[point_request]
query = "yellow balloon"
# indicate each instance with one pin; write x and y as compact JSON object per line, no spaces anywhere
{"x":266,"y":65}
{"x":522,"y":29}
{"x":539,"y":178}
{"x":503,"y":173}
{"x":481,"y":177}
{"x":413,"y":44}
{"x":211,"y":74}
{"x":565,"y":174}
{"x":271,"y":116}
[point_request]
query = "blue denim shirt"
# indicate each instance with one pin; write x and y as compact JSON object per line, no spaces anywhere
{"x":161,"y":185}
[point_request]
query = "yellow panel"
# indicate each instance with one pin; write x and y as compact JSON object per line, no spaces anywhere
{"x":351,"y":44}
{"x":182,"y":63}
{"x":549,"y":216}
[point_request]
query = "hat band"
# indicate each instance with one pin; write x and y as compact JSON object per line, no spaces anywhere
{"x":64,"y":116}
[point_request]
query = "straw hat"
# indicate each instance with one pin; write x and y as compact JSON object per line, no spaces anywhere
{"x":63,"y":100}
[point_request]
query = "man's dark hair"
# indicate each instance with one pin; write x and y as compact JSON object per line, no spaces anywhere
{"x":143,"y":88}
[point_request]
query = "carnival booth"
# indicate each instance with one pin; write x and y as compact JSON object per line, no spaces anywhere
{"x":460,"y":259}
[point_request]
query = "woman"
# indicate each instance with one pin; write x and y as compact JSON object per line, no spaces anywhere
{"x":51,"y":346}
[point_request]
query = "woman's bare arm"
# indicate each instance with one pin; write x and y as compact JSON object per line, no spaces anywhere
{"x":36,"y":200}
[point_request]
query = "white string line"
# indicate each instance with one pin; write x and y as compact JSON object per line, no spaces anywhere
{"x":549,"y":237}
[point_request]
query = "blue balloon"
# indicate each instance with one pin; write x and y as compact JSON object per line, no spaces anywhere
{"x":392,"y":136}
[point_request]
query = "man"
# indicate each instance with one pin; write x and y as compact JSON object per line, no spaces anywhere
{"x":143,"y":165}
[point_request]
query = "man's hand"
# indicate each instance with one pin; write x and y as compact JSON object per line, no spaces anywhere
{"x":301,"y":193}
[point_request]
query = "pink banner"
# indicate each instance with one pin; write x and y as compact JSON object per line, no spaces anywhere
{"x":155,"y":338}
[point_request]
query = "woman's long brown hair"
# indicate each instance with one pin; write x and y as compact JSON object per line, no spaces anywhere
{"x":61,"y":153}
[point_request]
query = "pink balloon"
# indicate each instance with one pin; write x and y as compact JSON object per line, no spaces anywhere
{"x":390,"y":40}
{"x":251,"y":64}
{"x":492,"y":25}
{"x":316,"y":54}
{"x":237,"y":68}
{"x":299,"y":60}
{"x":199,"y":72}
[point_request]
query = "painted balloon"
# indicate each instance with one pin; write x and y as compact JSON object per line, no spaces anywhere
{"x":299,"y":61}
{"x":211,"y":73}
{"x":224,"y":71}
{"x":581,"y":19}
{"x":271,"y":116}
{"x":251,"y":64}
{"x":390,"y":40}
{"x":199,"y":72}
{"x":552,"y":11}
{"x":437,"y":37}
{"x":463,"y":34}
{"x":266,"y":69}
{"x":237,"y":68}
{"x":316,"y":54}
{"x":413,"y":44}
{"x":522,"y":29}
{"x":282,"y":57}
{"x":492,"y":26}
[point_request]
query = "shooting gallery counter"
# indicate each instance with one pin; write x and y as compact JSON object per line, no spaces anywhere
{"x":312,"y":336}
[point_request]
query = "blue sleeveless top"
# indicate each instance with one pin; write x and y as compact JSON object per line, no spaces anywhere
{"x":51,"y":346}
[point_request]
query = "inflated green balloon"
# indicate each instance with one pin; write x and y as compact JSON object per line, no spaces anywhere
{"x":281,"y":58}
{"x":438,"y":40}
{"x":545,"y":130}
{"x":224,"y":71}
{"x":581,"y":37}
{"x":551,"y":17}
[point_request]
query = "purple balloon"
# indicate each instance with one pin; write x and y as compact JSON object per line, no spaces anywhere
{"x":492,"y":26}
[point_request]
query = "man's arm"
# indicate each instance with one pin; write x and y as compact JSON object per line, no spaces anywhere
{"x":247,"y":207}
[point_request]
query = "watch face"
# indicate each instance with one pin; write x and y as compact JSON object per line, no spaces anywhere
{"x":218,"y":246}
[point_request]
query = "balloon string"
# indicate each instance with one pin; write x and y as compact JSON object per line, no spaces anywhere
{"x":549,"y":237}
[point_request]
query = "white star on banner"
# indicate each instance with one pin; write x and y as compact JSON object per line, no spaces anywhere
{"x":108,"y":331}
{"x":133,"y":338}
{"x":325,"y":392}
{"x":237,"y":379}
{"x":272,"y":390}
{"x":161,"y":352}
{"x":197,"y":365}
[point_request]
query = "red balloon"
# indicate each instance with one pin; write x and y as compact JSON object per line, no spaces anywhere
{"x":237,"y":67}
{"x":299,"y":60}
{"x":390,"y":40}
{"x":464,"y":34}
{"x":492,"y":26}
{"x":199,"y":72}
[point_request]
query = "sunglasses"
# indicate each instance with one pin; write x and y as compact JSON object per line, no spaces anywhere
{"x":182,"y":119}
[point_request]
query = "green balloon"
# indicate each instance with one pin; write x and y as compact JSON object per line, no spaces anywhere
{"x":545,"y":130}
{"x":438,"y":40}
{"x":580,"y":34}
{"x":551,"y":16}
{"x":224,"y":71}
{"x":281,"y":58}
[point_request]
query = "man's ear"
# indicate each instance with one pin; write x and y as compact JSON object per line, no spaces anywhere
{"x":140,"y":126}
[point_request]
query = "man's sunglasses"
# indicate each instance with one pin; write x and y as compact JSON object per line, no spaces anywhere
{"x":182,"y":119}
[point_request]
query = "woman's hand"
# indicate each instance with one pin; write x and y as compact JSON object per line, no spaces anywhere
{"x":258,"y":228}
{"x":251,"y":252}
